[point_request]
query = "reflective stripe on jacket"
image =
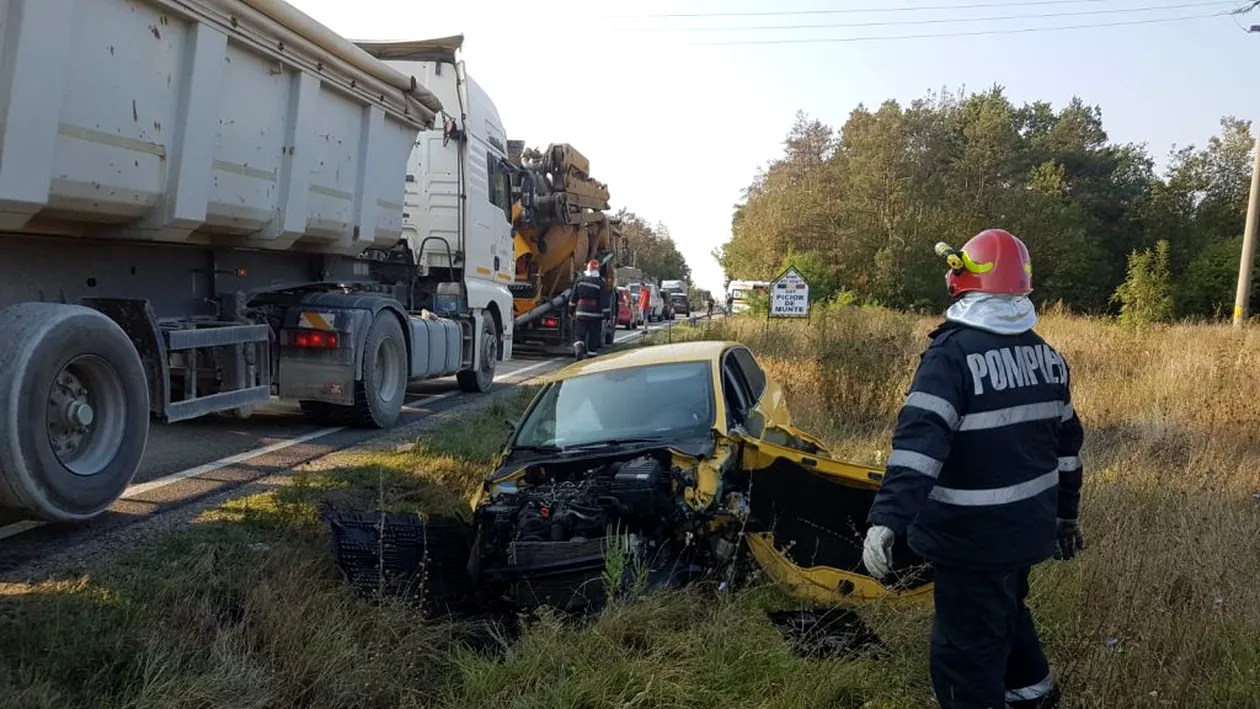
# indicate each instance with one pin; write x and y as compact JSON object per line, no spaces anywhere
{"x":986,"y":452}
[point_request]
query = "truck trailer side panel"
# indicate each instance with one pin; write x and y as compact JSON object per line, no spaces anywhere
{"x":194,"y":122}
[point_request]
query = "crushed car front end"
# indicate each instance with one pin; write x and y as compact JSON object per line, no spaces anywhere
{"x":633,"y":469}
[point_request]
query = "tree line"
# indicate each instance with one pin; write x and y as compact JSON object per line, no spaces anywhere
{"x":651,"y":248}
{"x":858,"y":210}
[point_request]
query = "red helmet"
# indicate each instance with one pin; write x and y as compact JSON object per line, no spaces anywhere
{"x":993,"y":261}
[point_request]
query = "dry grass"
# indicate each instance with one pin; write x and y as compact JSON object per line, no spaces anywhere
{"x":1164,"y":608}
{"x":246,"y":610}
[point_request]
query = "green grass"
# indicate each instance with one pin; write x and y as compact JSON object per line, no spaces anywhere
{"x":245,"y":608}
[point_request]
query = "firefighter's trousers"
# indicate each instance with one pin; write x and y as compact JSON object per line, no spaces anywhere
{"x":590,"y":332}
{"x":985,"y":651}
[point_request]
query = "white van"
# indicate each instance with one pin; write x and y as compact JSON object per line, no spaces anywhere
{"x":739,"y":292}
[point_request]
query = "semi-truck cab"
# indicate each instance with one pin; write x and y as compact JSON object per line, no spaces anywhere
{"x":457,"y":216}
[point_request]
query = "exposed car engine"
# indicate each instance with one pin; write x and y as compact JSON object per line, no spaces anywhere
{"x":580,"y":507}
{"x":548,"y":536}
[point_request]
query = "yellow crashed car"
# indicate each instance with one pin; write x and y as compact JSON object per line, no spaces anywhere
{"x":678,"y":458}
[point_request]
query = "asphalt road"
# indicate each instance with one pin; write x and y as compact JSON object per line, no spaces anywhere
{"x":191,"y":460}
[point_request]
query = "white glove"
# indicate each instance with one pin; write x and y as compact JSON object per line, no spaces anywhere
{"x":877,"y":551}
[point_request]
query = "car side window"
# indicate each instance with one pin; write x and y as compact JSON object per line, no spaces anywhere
{"x":753,"y":375}
{"x":735,"y":388}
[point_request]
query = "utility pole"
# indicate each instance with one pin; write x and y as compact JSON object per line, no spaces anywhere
{"x":1242,"y":297}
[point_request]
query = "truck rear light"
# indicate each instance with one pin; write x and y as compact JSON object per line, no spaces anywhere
{"x":551,"y":322}
{"x":313,"y":339}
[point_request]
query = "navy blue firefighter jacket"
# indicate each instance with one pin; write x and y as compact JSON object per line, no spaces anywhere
{"x":986,"y":453}
{"x":589,"y":296}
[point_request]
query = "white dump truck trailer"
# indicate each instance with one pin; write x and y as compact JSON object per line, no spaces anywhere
{"x":205,"y":204}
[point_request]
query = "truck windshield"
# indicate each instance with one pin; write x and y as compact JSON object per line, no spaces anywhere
{"x":661,"y":401}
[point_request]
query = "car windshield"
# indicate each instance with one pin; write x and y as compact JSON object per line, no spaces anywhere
{"x":651,"y":402}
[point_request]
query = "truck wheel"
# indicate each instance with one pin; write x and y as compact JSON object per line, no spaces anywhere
{"x":378,"y":396}
{"x":74,"y":411}
{"x":479,"y":380}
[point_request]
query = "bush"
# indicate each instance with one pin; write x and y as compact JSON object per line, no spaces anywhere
{"x":1145,"y":297}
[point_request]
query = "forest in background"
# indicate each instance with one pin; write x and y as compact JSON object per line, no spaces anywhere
{"x":858,"y":210}
{"x":651,"y":248}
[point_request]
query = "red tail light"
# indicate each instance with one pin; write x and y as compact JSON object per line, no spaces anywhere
{"x":551,"y":322}
{"x":315,"y":339}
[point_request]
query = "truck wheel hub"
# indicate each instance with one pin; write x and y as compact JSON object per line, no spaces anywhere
{"x":80,"y":414}
{"x":489,"y":355}
{"x":85,"y":414}
{"x":69,"y":414}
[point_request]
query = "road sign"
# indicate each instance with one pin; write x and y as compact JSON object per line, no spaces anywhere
{"x":789,"y":295}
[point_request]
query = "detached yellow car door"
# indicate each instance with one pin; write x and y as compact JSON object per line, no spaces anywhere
{"x":808,"y":509}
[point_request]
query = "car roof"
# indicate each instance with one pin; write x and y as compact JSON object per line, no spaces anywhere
{"x":700,"y":351}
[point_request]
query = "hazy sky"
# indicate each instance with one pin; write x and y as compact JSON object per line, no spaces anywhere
{"x":677,"y":129}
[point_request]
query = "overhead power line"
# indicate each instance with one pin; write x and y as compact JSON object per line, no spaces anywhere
{"x":933,"y":20}
{"x":976,"y":33}
{"x":854,"y":10}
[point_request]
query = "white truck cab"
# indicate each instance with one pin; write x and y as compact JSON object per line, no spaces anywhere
{"x":465,"y":154}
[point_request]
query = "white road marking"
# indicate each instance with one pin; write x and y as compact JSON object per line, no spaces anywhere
{"x":17,"y":528}
{"x":141,"y":488}
{"x":408,"y":408}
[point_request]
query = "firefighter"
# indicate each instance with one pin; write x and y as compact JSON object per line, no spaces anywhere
{"x":984,"y":479}
{"x":589,"y":311}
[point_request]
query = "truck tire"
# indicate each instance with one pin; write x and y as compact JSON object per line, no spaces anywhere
{"x":481,"y":379}
{"x":74,"y":411}
{"x":379,"y":394}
